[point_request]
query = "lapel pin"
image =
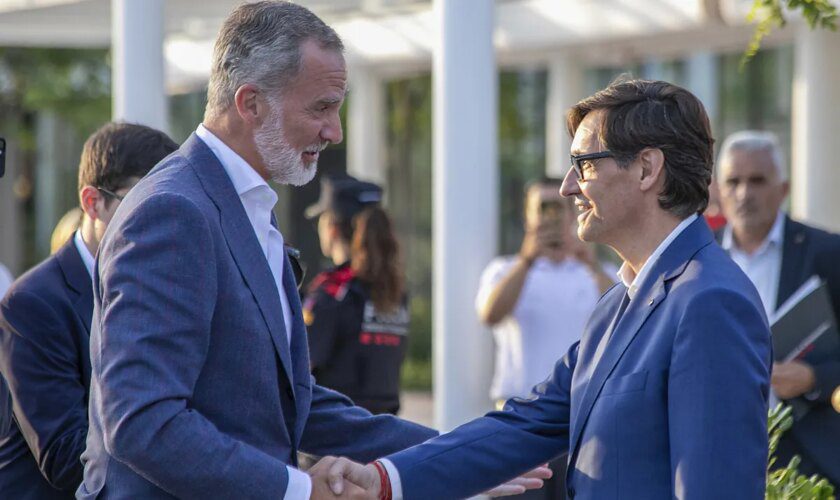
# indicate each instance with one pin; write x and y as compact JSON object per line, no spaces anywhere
{"x":650,"y":302}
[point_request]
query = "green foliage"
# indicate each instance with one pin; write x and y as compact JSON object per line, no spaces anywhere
{"x":73,"y":83}
{"x":770,"y":14}
{"x":786,"y":483}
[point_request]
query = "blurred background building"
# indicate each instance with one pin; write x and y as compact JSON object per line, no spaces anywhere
{"x":66,"y":66}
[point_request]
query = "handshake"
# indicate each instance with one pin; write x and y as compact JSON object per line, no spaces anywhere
{"x":338,"y":477}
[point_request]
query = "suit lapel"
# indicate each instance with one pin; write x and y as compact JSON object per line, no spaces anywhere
{"x":793,"y":260}
{"x":650,"y":294}
{"x":242,"y":242}
{"x":299,"y":348}
{"x":78,"y":281}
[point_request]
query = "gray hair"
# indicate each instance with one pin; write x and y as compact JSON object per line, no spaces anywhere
{"x":753,"y":141}
{"x":259,"y":43}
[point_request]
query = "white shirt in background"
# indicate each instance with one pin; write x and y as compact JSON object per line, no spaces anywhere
{"x":87,"y":258}
{"x":553,"y":307}
{"x":764,"y":266}
{"x":6,"y":280}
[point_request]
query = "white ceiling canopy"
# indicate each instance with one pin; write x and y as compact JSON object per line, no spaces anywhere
{"x":396,"y":35}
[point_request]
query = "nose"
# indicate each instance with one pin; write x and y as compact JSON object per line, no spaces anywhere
{"x":570,"y":186}
{"x":331,"y":131}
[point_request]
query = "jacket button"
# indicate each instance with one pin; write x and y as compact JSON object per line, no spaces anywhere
{"x":290,"y":393}
{"x":571,"y":492}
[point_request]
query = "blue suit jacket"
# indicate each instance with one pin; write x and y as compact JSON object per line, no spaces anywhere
{"x":675,"y":408}
{"x":195,"y":390}
{"x":44,"y":329}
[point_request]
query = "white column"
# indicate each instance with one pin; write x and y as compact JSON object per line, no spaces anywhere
{"x":137,"y":32}
{"x":815,"y":171}
{"x":565,"y":89}
{"x":465,"y":192}
{"x":366,"y":126}
{"x":701,"y":71}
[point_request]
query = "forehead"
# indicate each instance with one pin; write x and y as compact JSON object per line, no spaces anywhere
{"x":746,"y":162}
{"x":322,"y":71}
{"x":586,"y":138}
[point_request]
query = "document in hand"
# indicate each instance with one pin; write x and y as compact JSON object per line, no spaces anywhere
{"x":805,"y":326}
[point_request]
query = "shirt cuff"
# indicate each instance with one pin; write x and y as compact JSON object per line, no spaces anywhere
{"x":394,"y":477}
{"x":300,"y":485}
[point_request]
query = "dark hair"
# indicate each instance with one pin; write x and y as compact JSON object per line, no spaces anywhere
{"x":644,"y":113}
{"x":119,"y":151}
{"x":375,"y":257}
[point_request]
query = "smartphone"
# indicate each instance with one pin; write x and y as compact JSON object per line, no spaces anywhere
{"x":551,"y":212}
{"x":2,"y":156}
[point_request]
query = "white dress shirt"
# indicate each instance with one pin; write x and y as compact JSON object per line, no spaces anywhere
{"x":630,"y":280}
{"x":6,"y":280}
{"x":764,"y":266}
{"x":87,"y":257}
{"x":258,"y":200}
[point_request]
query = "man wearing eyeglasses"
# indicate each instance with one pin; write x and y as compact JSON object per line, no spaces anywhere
{"x":45,"y":323}
{"x":665,"y":395}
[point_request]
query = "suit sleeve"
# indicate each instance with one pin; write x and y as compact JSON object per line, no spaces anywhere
{"x":717,"y":398}
{"x":827,"y":371}
{"x":495,"y":448}
{"x":336,"y":427}
{"x":39,"y":360}
{"x":158,"y":291}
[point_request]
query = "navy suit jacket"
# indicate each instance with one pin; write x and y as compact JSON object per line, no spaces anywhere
{"x":676,"y":407}
{"x":808,"y":251}
{"x":44,"y":329}
{"x":196,"y":389}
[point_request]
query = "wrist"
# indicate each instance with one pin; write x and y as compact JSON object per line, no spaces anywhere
{"x":382,"y":486}
{"x":527,"y":260}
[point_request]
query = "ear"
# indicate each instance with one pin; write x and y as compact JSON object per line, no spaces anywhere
{"x":785,"y":189}
{"x":248,"y":105}
{"x":92,"y":201}
{"x":652,"y":161}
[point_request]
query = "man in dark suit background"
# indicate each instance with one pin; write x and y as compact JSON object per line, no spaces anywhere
{"x":45,"y":323}
{"x":779,"y":255}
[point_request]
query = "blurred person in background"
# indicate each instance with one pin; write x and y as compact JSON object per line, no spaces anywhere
{"x":779,"y":254}
{"x":45,"y":323}
{"x":537,"y":302}
{"x":65,"y":229}
{"x":356,"y":312}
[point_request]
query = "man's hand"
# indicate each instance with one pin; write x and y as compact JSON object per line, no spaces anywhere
{"x":334,"y":477}
{"x":540,"y":240}
{"x":531,"y":480}
{"x":792,"y":379}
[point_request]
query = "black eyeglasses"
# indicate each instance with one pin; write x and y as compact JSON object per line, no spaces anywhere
{"x":578,"y":161}
{"x":111,"y":194}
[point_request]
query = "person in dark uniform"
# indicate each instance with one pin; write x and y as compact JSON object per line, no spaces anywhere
{"x":356,"y":312}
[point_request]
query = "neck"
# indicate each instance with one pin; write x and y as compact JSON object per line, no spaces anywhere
{"x":236,"y":135}
{"x":748,"y":240}
{"x":640,"y":242}
{"x":340,"y":253}
{"x":88,"y":232}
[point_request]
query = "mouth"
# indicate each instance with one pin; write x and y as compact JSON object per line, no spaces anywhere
{"x":583,"y":208}
{"x":310,"y":156}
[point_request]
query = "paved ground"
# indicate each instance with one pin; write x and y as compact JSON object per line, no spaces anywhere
{"x":417,"y":407}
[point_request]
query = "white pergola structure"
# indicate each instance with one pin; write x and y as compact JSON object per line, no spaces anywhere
{"x":164,"y":46}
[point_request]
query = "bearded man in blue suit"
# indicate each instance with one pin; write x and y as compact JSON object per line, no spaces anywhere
{"x":665,"y":395}
{"x":200,"y":384}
